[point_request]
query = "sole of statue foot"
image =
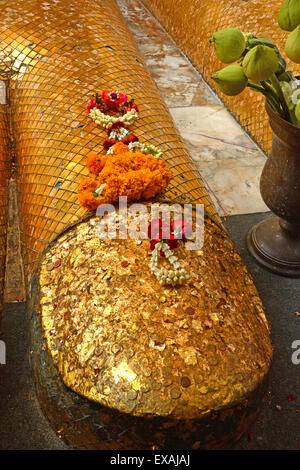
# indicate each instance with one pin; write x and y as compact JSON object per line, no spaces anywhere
{"x":164,"y":367}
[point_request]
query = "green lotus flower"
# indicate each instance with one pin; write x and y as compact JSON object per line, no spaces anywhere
{"x":231,"y":80}
{"x":289,"y":15}
{"x":292,"y":45}
{"x":229,"y":44}
{"x":260,"y":63}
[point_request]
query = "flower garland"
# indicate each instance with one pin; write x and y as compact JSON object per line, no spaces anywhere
{"x":99,"y":106}
{"x":160,"y":246}
{"x":155,"y":151}
{"x":124,"y":173}
{"x":106,"y":120}
{"x":178,"y":275}
{"x":133,"y":169}
{"x":118,"y":133}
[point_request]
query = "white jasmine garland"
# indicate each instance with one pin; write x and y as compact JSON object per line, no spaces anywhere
{"x":118,"y":134}
{"x":106,"y":121}
{"x":178,"y":275}
{"x":146,"y":149}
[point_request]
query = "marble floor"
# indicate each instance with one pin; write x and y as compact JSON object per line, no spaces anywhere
{"x":228,"y":159}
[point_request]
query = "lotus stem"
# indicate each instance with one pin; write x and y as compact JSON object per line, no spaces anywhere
{"x":268,"y":88}
{"x":276,"y":84}
{"x":270,"y":97}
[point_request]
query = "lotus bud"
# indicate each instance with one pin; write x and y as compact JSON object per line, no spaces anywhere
{"x":289,"y":15}
{"x":229,"y":44}
{"x":297,"y":111}
{"x":231,"y":80}
{"x":260,"y":63}
{"x":286,"y":77}
{"x":292,"y":45}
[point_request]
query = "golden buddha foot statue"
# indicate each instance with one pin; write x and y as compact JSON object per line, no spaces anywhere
{"x":125,"y":355}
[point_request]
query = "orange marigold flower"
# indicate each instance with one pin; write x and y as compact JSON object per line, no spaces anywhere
{"x":131,"y":185}
{"x":88,"y":184}
{"x":90,"y":202}
{"x":95,"y":163}
{"x":120,"y":148}
{"x":86,"y":196}
{"x":157,"y":184}
{"x":112,"y":190}
{"x":131,"y":174}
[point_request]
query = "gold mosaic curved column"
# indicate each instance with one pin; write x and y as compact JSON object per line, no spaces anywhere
{"x":62,"y":55}
{"x":192,"y":22}
{"x":171,"y":366}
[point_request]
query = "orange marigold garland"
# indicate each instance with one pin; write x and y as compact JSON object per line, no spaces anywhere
{"x":124,"y":173}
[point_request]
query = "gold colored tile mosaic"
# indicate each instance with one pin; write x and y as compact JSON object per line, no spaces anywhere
{"x":55,"y":56}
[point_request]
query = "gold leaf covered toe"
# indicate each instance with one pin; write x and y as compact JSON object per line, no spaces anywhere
{"x":121,"y":339}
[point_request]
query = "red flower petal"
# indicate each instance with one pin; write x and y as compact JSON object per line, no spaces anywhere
{"x":129,"y":107}
{"x":181,"y":228}
{"x":178,"y":223}
{"x":154,"y":227}
{"x":108,"y":143}
{"x":115,"y":125}
{"x":133,"y":138}
{"x":172,"y":242}
{"x":154,"y":242}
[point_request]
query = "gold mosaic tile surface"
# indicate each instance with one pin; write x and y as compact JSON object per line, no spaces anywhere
{"x":57,"y":55}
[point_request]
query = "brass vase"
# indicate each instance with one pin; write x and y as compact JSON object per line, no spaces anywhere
{"x":275,"y":242}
